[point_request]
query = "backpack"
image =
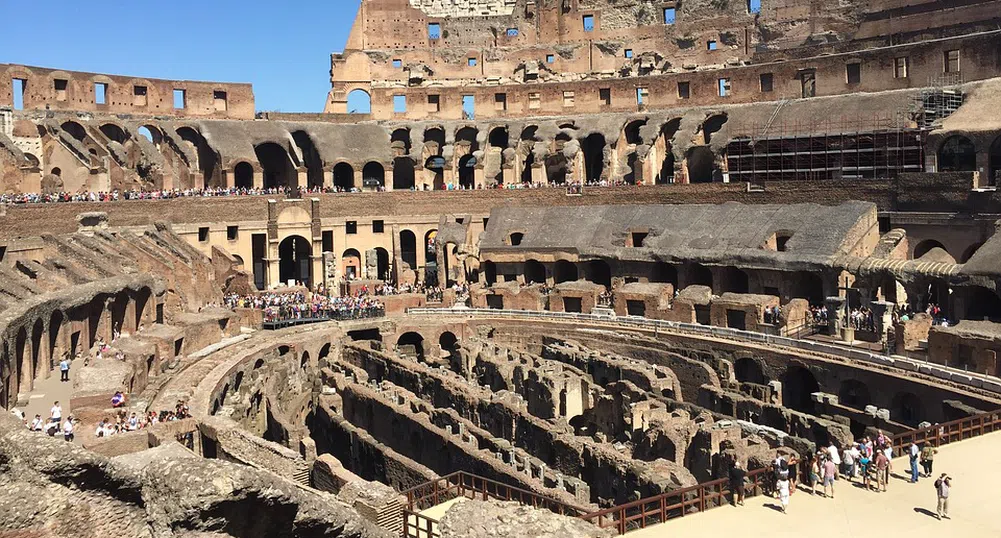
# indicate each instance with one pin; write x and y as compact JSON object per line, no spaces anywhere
{"x":938,"y":485}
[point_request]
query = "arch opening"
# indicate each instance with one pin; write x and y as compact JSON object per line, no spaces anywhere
{"x":594,"y":156}
{"x":243,"y":176}
{"x":279,"y":172}
{"x":408,"y":248}
{"x":957,"y":154}
{"x":748,"y":370}
{"x":411,"y":344}
{"x":535,"y":272}
{"x":403,"y":174}
{"x":344,"y":177}
{"x":373,"y":176}
{"x":294,"y":261}
{"x":701,"y":164}
{"x":311,"y":158}
{"x":798,"y":384}
{"x":564,"y":271}
{"x":359,"y":102}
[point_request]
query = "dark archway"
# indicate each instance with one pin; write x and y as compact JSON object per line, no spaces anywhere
{"x":499,"y":137}
{"x":927,"y":246}
{"x":467,"y":171}
{"x":808,"y":286}
{"x":294,"y":260}
{"x":207,"y":157}
{"x":403,"y":174}
{"x":981,"y":303}
{"x":664,"y":273}
{"x":411,"y":344}
{"x":351,"y":259}
{"x":798,"y":384}
{"x":701,"y":163}
{"x":564,"y":271}
{"x":854,"y":393}
{"x":373,"y":176}
{"x":526,"y":171}
{"x":344,"y":176}
{"x":957,"y":154}
{"x":448,"y":341}
{"x":599,"y":272}
{"x":75,"y":130}
{"x":594,"y":156}
{"x":907,"y":409}
{"x":408,"y":248}
{"x":277,"y":165}
{"x":667,"y":132}
{"x":535,"y":272}
{"x":557,"y":168}
{"x":400,"y":140}
{"x":712,"y":125}
{"x":243,"y":176}
{"x":490,"y":273}
{"x":382,"y":263}
{"x":734,"y":280}
{"x":632,"y":132}
{"x":748,"y":370}
{"x":310,"y":158}
{"x":114,"y":133}
{"x":994,"y":163}
{"x":700,"y":275}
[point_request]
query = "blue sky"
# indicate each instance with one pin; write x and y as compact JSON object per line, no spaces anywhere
{"x":283,"y":49}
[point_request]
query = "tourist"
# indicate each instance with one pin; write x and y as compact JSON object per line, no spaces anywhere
{"x":737,"y":475}
{"x":848,"y":459}
{"x":36,"y":425}
{"x":865,"y":464}
{"x":928,"y":458}
{"x":814,"y":476}
{"x":882,"y":470}
{"x":942,"y":486}
{"x":118,"y":399}
{"x":834,"y":456}
{"x":64,"y":369}
{"x":830,"y":471}
{"x":56,"y":413}
{"x":914,"y":452}
{"x":783,"y":491}
{"x":68,"y":429}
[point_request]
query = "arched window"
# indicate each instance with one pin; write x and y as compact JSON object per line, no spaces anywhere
{"x":957,"y":154}
{"x":359,"y":102}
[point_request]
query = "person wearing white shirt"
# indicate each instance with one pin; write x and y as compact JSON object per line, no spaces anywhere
{"x":56,"y":413}
{"x":68,"y":429}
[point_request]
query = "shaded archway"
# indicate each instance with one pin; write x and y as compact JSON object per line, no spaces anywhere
{"x":411,"y":344}
{"x":351,"y":262}
{"x":467,"y":171}
{"x":809,"y":286}
{"x":712,"y":125}
{"x":631,"y":132}
{"x":927,"y":246}
{"x":906,"y":409}
{"x":854,"y":393}
{"x":75,"y":130}
{"x":206,"y":156}
{"x":373,"y":176}
{"x":408,"y":248}
{"x":294,"y":257}
{"x":798,"y":384}
{"x":557,"y":168}
{"x":310,"y":158}
{"x":733,"y":280}
{"x":277,"y":165}
{"x":749,"y":370}
{"x":499,"y":137}
{"x":243,"y":176}
{"x":664,"y":273}
{"x":994,"y":163}
{"x":490,"y":273}
{"x":700,"y":275}
{"x":564,"y":271}
{"x":403,"y":173}
{"x":344,"y":176}
{"x":667,"y":132}
{"x":535,"y":272}
{"x":382,"y":263}
{"x":114,"y":133}
{"x":448,"y":341}
{"x":957,"y":154}
{"x":599,"y":272}
{"x":701,"y":162}
{"x":400,"y":141}
{"x":594,"y":156}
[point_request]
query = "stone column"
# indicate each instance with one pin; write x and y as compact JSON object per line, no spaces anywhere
{"x":882,"y":313}
{"x":258,"y":179}
{"x":835,"y":311}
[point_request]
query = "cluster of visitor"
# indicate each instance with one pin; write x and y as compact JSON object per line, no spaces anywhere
{"x":433,"y":294}
{"x":819,"y":314}
{"x":861,"y":319}
{"x":773,"y":315}
{"x":279,"y":307}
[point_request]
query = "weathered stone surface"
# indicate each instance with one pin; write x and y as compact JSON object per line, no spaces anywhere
{"x":495,"y":519}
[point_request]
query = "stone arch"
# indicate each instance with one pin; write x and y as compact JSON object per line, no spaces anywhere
{"x":557,"y":168}
{"x":664,"y":273}
{"x":564,"y":271}
{"x":404,"y":177}
{"x":310,"y":158}
{"x":798,"y":384}
{"x":712,"y":125}
{"x":490,"y":272}
{"x":499,"y":137}
{"x":206,"y":156}
{"x":667,"y":132}
{"x":701,"y":164}
{"x":467,"y":136}
{"x":142,"y":297}
{"x":809,"y":286}
{"x":854,"y":393}
{"x":344,"y":176}
{"x":359,"y":102}
{"x":435,"y":135}
{"x":400,"y":141}
{"x":118,"y":307}
{"x":23,"y":365}
{"x":295,"y":260}
{"x":700,"y":275}
{"x":907,"y":409}
{"x":467,"y":171}
{"x":413,"y":339}
{"x":323,"y":353}
{"x":957,"y":154}
{"x":382,"y":263}
{"x":599,"y":272}
{"x":150,"y":133}
{"x":749,"y":370}
{"x":243,"y":175}
{"x":37,"y":350}
{"x":75,"y":130}
{"x":535,"y":272}
{"x":408,"y":248}
{"x":373,"y":175}
{"x":994,"y":163}
{"x":927,"y":246}
{"x":593,"y":148}
{"x":55,"y":328}
{"x":733,"y":280}
{"x":277,"y":165}
{"x":114,"y":133}
{"x":447,"y":341}
{"x":351,"y":262}
{"x":631,"y":132}
{"x":304,"y":361}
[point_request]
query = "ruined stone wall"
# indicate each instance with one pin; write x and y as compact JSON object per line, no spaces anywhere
{"x":46,"y":89}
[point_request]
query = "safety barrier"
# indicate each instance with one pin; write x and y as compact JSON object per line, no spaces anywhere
{"x":948,"y":432}
{"x":471,"y":486}
{"x":980,"y":381}
{"x":333,"y":315}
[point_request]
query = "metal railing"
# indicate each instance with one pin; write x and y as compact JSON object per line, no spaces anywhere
{"x":955,"y":375}
{"x":327,"y":315}
{"x":470,"y":486}
{"x":674,"y":504}
{"x":948,"y":432}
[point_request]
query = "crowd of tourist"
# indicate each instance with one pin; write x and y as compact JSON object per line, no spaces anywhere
{"x":773,"y":315}
{"x":300,"y":305}
{"x":125,"y":422}
{"x":861,"y":319}
{"x":433,"y":294}
{"x":299,"y":192}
